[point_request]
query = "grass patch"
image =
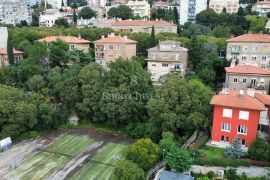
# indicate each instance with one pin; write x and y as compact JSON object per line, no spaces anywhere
{"x":213,"y":152}
{"x":45,"y":163}
{"x":70,"y":145}
{"x":102,"y":165}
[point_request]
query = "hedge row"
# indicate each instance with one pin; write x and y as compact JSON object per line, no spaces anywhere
{"x":222,"y":162}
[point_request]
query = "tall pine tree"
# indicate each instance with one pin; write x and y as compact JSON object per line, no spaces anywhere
{"x":10,"y":50}
{"x":74,"y":17}
{"x":153,"y":37}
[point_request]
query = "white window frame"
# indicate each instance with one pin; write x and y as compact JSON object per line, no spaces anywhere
{"x":243,"y":129}
{"x":243,"y":80}
{"x":235,"y":78}
{"x":244,"y":115}
{"x":254,"y":58}
{"x":264,"y":58}
{"x":226,"y":127}
{"x":227,"y":113}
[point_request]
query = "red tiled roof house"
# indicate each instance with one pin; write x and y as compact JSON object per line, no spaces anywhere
{"x":18,"y":56}
{"x":73,"y":41}
{"x":107,"y":49}
{"x":253,"y":49}
{"x":237,"y":114}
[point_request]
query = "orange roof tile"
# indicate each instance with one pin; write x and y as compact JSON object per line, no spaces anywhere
{"x":3,"y":51}
{"x":142,"y":23}
{"x":67,"y":39}
{"x":251,"y":38}
{"x":233,"y":100}
{"x":116,"y":39}
{"x":247,"y":69}
{"x":264,"y":98}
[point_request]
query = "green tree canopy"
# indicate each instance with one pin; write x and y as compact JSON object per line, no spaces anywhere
{"x":122,"y":11}
{"x":127,"y":170}
{"x":87,"y":13}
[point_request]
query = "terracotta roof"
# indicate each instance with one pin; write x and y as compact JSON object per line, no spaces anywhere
{"x":247,"y":69}
{"x":251,"y":38}
{"x":67,"y":39}
{"x":116,"y":39}
{"x":233,"y":100}
{"x":264,"y":98}
{"x":142,"y":23}
{"x":3,"y":51}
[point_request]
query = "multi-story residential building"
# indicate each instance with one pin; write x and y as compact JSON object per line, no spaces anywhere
{"x":18,"y":56}
{"x":163,"y":5}
{"x":139,"y":8}
{"x":48,"y":18}
{"x":237,"y":114}
{"x":14,"y":12}
{"x":165,"y":58}
{"x":98,"y":3}
{"x":32,"y":2}
{"x":144,"y":26}
{"x":56,"y":4}
{"x":73,"y":41}
{"x":190,"y":8}
{"x":251,"y":49}
{"x":262,"y":7}
{"x":107,"y":49}
{"x":4,"y":37}
{"x":247,"y":77}
{"x":231,"y":6}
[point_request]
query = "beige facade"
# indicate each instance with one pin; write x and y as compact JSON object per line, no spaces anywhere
{"x":167,"y":57}
{"x":18,"y":56}
{"x":113,"y":47}
{"x":139,"y":8}
{"x":160,"y":26}
{"x":245,"y":81}
{"x":231,"y":6}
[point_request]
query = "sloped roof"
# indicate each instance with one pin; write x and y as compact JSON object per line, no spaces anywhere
{"x":116,"y":39}
{"x":234,"y":100}
{"x":142,"y":23}
{"x":247,"y":69}
{"x":67,"y":39}
{"x":3,"y":51}
{"x":265,"y":38}
{"x":264,"y":98}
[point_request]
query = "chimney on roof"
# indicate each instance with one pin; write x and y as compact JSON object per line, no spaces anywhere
{"x":102,"y":37}
{"x":241,"y":94}
{"x":125,"y":37}
{"x":112,"y":34}
{"x":79,"y":36}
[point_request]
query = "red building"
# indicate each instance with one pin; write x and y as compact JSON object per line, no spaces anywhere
{"x":239,"y":115}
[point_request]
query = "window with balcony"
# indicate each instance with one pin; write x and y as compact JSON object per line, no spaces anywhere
{"x":235,"y":80}
{"x":226,"y":127}
{"x":227,"y":113}
{"x":244,"y":115}
{"x":242,"y":129}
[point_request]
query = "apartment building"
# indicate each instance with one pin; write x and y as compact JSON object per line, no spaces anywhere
{"x":108,"y":49}
{"x":189,"y":9}
{"x":237,"y":114}
{"x":247,"y":77}
{"x":167,"y":57}
{"x":97,"y":3}
{"x":18,"y":56}
{"x":14,"y":11}
{"x":48,"y":18}
{"x":144,"y":26}
{"x":56,"y":4}
{"x":73,"y":41}
{"x":253,"y":49}
{"x":231,"y":6}
{"x":139,"y":8}
{"x":262,"y":7}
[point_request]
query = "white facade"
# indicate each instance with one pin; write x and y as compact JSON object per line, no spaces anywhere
{"x":190,"y":8}
{"x":57,"y":4}
{"x":14,"y":11}
{"x":48,"y":18}
{"x":231,"y":6}
{"x":139,"y":8}
{"x":262,"y":7}
{"x":98,"y":3}
{"x":32,"y":2}
{"x":4,"y":37}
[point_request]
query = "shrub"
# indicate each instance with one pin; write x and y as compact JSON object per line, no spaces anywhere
{"x":210,"y":174}
{"x":235,"y":150}
{"x":198,"y":154}
{"x":222,"y":162}
{"x":127,"y":170}
{"x":259,"y":150}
